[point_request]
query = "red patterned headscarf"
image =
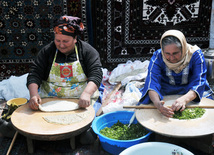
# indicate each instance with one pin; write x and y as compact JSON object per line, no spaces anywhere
{"x":68,"y":25}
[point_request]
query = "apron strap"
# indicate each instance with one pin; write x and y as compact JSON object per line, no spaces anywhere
{"x":76,"y":52}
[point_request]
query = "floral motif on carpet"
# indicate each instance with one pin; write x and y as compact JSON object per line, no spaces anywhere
{"x":26,"y":27}
{"x":131,"y":30}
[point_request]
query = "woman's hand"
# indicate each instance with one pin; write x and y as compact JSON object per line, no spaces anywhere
{"x":35,"y":99}
{"x":84,"y":100}
{"x":168,"y":112}
{"x":179,"y":104}
{"x":34,"y":102}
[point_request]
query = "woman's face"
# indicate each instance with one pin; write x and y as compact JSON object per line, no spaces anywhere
{"x":172,"y":53}
{"x":65,"y":44}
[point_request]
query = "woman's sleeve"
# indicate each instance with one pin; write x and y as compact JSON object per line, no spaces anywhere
{"x":93,"y":65}
{"x":198,"y":79}
{"x":40,"y":68}
{"x":153,"y":79}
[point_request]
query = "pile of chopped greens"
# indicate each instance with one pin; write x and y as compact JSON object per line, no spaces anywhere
{"x":11,"y":108}
{"x":120,"y":131}
{"x":191,"y":113}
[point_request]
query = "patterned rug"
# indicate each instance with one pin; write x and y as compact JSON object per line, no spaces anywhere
{"x":131,"y":30}
{"x":27,"y":26}
{"x":122,"y":30}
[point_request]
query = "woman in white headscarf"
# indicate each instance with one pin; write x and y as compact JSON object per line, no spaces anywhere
{"x":176,"y":68}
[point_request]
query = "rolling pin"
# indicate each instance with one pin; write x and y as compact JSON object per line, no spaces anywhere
{"x":153,"y":107}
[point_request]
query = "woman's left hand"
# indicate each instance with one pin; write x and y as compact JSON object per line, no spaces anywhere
{"x":180,"y":104}
{"x":84,"y":100}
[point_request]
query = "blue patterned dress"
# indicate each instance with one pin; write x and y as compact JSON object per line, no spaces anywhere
{"x":166,"y":82}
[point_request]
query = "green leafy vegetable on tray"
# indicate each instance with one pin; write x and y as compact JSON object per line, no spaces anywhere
{"x":120,"y":131}
{"x":190,"y":113}
{"x":11,"y":108}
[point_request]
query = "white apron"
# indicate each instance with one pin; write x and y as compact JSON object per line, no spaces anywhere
{"x":66,"y":80}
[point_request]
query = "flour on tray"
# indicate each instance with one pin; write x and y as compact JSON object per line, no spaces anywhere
{"x":61,"y":105}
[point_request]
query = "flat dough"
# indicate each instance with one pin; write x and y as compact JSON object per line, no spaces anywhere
{"x":66,"y":119}
{"x":62,"y":105}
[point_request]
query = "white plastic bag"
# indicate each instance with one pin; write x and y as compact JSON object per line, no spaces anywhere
{"x":106,"y":74}
{"x":138,"y":77}
{"x":14,"y":87}
{"x":128,"y":69}
{"x":130,"y":97}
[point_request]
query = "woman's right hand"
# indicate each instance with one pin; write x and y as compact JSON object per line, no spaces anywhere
{"x":35,"y":99}
{"x":159,"y":104}
{"x":34,"y":102}
{"x":168,"y":112}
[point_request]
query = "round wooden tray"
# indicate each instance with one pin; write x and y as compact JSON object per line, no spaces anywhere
{"x":153,"y":120}
{"x":31,"y":124}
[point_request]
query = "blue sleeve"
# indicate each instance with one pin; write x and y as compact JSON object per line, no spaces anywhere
{"x":97,"y":105}
{"x":198,"y":80}
{"x":153,"y":79}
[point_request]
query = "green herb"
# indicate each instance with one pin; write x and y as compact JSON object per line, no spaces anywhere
{"x":191,"y":113}
{"x":121,"y":131}
{"x":11,"y":108}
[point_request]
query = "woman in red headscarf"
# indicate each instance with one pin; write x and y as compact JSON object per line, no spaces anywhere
{"x":67,"y":67}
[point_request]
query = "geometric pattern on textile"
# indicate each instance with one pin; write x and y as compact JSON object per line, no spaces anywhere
{"x":26,"y":27}
{"x":131,"y":30}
